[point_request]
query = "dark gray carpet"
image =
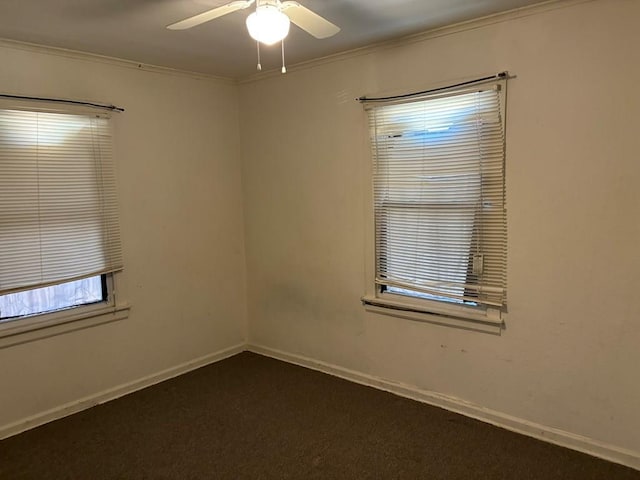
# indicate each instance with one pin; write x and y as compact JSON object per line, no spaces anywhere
{"x":251,"y":417}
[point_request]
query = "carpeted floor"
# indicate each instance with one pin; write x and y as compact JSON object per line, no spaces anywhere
{"x":251,"y":417}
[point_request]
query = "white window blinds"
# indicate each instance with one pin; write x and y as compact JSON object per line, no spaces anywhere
{"x":439,"y":197}
{"x":58,"y":206}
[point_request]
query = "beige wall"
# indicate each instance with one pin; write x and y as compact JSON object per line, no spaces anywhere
{"x":569,"y":355}
{"x":567,"y":358}
{"x":177,"y":152}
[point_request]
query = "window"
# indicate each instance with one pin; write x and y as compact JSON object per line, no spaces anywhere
{"x":53,"y":298}
{"x":59,"y":228}
{"x":439,"y":203}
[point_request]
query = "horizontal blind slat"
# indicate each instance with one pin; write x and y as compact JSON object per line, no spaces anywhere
{"x":439,"y":196}
{"x":58,"y":204}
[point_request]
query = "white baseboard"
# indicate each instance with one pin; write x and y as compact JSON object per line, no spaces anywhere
{"x":499,"y":419}
{"x":115,"y":392}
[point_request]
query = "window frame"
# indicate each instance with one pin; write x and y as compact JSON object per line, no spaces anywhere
{"x":486,"y":319}
{"x":102,"y":278}
{"x":48,"y":324}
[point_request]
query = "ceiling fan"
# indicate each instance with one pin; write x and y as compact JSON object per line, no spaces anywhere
{"x":269,"y":23}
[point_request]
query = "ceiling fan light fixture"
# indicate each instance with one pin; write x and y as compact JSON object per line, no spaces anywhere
{"x":268,"y":24}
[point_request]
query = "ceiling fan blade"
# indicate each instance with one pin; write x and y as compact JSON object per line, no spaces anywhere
{"x":309,"y":21}
{"x":210,"y":15}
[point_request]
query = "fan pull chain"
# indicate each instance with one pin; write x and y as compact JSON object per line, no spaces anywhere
{"x":284,"y":69}
{"x":259,"y":64}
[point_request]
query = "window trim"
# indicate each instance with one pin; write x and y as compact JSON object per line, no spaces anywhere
{"x":489,"y":320}
{"x":484,"y":319}
{"x":44,"y":325}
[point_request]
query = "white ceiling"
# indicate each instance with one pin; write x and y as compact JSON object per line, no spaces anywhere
{"x":135,"y":29}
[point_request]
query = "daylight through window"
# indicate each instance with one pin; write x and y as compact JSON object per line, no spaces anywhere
{"x":58,"y":211}
{"x":439,"y":198}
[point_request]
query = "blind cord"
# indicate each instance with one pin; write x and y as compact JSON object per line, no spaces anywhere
{"x":284,"y":69}
{"x":259,"y":64}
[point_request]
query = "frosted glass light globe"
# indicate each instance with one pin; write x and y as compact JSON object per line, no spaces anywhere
{"x":268,"y":25}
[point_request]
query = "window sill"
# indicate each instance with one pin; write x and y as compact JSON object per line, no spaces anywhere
{"x":48,"y":325}
{"x":452,"y":317}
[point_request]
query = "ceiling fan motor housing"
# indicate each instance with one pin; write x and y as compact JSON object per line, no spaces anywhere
{"x":268,"y":24}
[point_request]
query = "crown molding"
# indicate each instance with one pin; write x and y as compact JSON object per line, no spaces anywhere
{"x":509,"y":15}
{"x":103,"y":59}
{"x":501,"y":17}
